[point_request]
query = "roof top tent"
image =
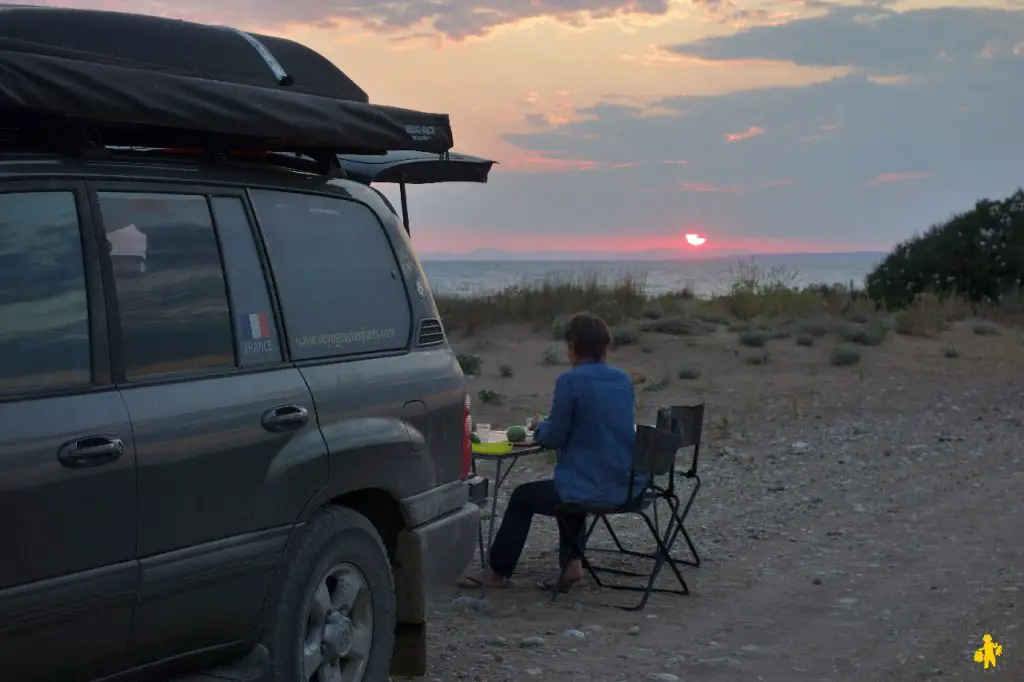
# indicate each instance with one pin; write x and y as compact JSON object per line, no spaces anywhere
{"x":416,"y":168}
{"x":109,"y":79}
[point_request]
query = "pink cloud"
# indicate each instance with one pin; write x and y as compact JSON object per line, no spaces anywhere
{"x":752,"y":131}
{"x":885,"y":178}
{"x":545,"y":162}
{"x":708,"y":188}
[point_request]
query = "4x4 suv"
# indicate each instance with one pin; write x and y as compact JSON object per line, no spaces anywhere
{"x":230,"y":424}
{"x":225,"y":401}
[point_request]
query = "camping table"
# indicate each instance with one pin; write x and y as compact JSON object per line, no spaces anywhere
{"x":506,"y":461}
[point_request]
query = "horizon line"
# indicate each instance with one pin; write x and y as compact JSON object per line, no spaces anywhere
{"x":618,"y":255}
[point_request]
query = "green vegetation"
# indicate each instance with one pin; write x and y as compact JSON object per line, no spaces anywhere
{"x":977,"y":255}
{"x":970,"y":266}
{"x":872,"y":334}
{"x":688,"y":373}
{"x":546,"y":305}
{"x":657,"y":384}
{"x":754,"y":339}
{"x":486,"y":395}
{"x":844,"y":356}
{"x":470,"y":364}
{"x":760,"y":357}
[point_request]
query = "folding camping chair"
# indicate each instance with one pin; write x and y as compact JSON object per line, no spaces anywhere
{"x":687,"y":420}
{"x":654,"y":455}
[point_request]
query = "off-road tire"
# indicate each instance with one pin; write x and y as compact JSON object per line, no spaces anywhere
{"x":333,"y":535}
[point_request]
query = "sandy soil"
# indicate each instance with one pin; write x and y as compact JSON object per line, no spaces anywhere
{"x":856,"y":523}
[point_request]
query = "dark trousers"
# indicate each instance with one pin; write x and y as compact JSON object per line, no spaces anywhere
{"x":537,"y":497}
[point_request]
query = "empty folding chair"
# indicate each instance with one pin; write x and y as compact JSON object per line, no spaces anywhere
{"x":688,"y":421}
{"x":654,"y":455}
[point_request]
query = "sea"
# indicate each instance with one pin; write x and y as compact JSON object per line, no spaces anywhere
{"x":703,"y":277}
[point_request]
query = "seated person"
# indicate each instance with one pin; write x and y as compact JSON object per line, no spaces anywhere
{"x":591,"y":425}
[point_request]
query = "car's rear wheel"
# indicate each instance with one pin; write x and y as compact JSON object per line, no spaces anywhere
{"x":333,"y":619}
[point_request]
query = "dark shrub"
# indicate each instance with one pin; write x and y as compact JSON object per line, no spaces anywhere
{"x":978,"y":255}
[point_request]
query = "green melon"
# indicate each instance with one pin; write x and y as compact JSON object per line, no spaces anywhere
{"x":516,"y":434}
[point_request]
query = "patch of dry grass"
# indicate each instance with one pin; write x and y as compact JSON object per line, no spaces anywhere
{"x":761,"y":301}
{"x":538,"y":306}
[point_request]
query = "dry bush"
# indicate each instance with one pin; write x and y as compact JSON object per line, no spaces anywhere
{"x":926,"y":317}
{"x":537,"y":305}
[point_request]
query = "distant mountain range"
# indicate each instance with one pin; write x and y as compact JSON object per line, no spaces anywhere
{"x":495,"y":255}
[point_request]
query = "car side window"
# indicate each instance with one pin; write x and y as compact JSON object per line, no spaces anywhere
{"x":170,"y":285}
{"x":44,"y":314}
{"x":341,"y":290}
{"x":254,"y":319}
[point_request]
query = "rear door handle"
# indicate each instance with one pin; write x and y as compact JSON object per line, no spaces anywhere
{"x":285,"y":418}
{"x":90,"y":452}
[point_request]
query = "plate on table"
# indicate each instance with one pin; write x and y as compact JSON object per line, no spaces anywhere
{"x":492,"y":447}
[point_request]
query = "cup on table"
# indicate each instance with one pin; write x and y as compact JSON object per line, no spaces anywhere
{"x":483,"y":431}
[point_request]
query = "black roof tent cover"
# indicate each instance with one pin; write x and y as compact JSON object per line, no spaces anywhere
{"x":141,"y":80}
{"x":416,"y":168}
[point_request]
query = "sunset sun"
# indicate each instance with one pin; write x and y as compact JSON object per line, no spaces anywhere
{"x":694,"y":239}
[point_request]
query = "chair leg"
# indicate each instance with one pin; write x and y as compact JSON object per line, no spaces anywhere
{"x":480,"y":544}
{"x":680,"y":518}
{"x":660,"y":558}
{"x":619,"y":548}
{"x":664,"y":557}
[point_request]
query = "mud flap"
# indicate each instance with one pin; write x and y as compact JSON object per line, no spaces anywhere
{"x":410,"y":657}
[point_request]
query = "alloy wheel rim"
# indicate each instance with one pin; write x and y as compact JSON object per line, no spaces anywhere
{"x":338,"y":632}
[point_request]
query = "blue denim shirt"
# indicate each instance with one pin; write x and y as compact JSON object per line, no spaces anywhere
{"x":591,"y":424}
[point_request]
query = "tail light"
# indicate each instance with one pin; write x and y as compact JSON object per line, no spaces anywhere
{"x":467,"y":444}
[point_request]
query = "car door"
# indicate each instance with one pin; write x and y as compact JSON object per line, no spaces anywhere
{"x":225,"y":431}
{"x":68,"y":577}
{"x":347,"y":310}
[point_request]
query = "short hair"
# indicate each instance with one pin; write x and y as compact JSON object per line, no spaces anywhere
{"x":589,"y":336}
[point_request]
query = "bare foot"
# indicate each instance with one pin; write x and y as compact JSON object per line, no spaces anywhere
{"x":573,"y":574}
{"x":484,"y":578}
{"x":548,"y":584}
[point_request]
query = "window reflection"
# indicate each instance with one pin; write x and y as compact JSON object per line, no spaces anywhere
{"x":44,"y":316}
{"x":170,"y":283}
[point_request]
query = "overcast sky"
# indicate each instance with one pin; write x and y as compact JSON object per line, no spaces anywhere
{"x":775,"y":125}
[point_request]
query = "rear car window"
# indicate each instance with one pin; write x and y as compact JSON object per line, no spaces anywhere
{"x":170,"y":284}
{"x":44,"y":315}
{"x":255,"y":327}
{"x":340,"y":287}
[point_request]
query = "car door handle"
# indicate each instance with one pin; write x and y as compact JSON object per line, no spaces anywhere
{"x":286,"y":418}
{"x":90,"y":452}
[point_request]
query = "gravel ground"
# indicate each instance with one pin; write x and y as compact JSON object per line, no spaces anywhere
{"x":861,"y":523}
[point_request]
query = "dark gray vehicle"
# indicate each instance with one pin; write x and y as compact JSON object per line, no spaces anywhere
{"x":234,"y":442}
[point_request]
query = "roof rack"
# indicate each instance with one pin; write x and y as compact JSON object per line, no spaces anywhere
{"x":81,"y":138}
{"x":72,"y":81}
